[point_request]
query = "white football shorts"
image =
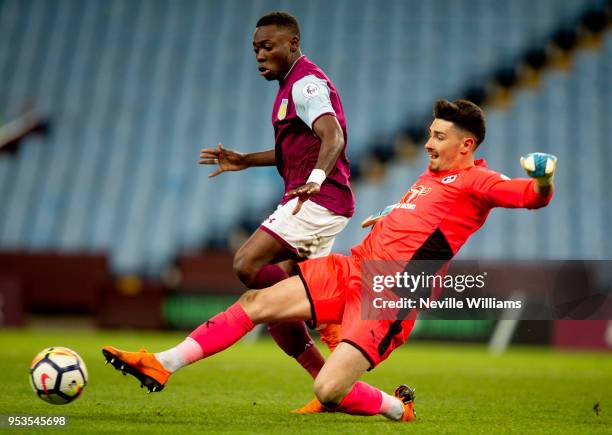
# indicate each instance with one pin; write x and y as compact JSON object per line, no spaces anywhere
{"x":310,"y":233}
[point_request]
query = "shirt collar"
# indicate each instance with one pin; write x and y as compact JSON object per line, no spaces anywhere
{"x":479,"y":162}
{"x":291,"y":69}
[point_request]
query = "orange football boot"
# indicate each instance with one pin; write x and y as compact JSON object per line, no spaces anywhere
{"x":330,"y":335}
{"x":312,"y":407}
{"x":142,"y":365}
{"x":406,"y":395}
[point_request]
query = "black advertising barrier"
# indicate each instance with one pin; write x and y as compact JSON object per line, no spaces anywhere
{"x":471,"y":290}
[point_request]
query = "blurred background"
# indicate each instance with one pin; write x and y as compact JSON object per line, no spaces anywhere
{"x":106,"y":219}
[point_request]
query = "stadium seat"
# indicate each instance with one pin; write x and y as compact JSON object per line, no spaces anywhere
{"x":135,"y":88}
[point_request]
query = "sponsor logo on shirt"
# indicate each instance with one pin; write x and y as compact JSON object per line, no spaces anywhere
{"x":410,"y":198}
{"x":449,"y":179}
{"x":392,"y":207}
{"x":282,"y":110}
{"x":310,"y":90}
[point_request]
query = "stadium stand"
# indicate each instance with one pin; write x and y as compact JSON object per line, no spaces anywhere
{"x":134,"y":88}
{"x":570,"y":115}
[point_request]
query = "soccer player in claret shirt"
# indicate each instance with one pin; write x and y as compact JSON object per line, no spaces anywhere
{"x":310,"y":154}
{"x":449,"y":202}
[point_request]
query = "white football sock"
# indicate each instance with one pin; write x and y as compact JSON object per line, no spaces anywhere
{"x":181,"y":355}
{"x":391,"y":407}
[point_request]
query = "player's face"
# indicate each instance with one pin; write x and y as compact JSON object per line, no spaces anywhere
{"x":274,"y":49}
{"x":447,"y":146}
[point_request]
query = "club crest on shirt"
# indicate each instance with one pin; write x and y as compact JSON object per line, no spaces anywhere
{"x":310,"y":90}
{"x":449,"y":179}
{"x":282,"y":110}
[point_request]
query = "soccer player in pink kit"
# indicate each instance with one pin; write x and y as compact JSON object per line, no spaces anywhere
{"x":310,"y":154}
{"x":441,"y":210}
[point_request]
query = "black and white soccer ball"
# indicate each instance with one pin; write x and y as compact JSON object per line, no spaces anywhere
{"x":58,"y":375}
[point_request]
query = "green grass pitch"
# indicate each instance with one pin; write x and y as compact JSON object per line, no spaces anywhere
{"x":252,"y":387}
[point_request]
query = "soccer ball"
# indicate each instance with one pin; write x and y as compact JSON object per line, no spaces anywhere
{"x":58,"y":375}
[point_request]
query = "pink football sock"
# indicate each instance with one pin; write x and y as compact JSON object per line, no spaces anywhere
{"x":363,"y":399}
{"x":222,"y":330}
{"x":311,"y":359}
{"x":291,"y":337}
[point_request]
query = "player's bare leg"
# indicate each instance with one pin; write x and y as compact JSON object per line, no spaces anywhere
{"x":339,"y":389}
{"x":261,"y":249}
{"x":283,"y":302}
{"x":262,"y":262}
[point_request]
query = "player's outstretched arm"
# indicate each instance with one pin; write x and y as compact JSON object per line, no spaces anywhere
{"x":498,"y":190}
{"x":230,"y":160}
{"x":541,"y":167}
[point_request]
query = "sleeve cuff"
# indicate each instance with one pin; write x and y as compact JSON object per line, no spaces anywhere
{"x":320,"y":115}
{"x":534,"y":200}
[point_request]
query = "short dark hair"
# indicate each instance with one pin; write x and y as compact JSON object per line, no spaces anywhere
{"x":280,"y":19}
{"x":464,"y":114}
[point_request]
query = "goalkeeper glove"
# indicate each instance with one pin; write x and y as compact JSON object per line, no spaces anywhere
{"x":372,"y":219}
{"x":540,"y":166}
